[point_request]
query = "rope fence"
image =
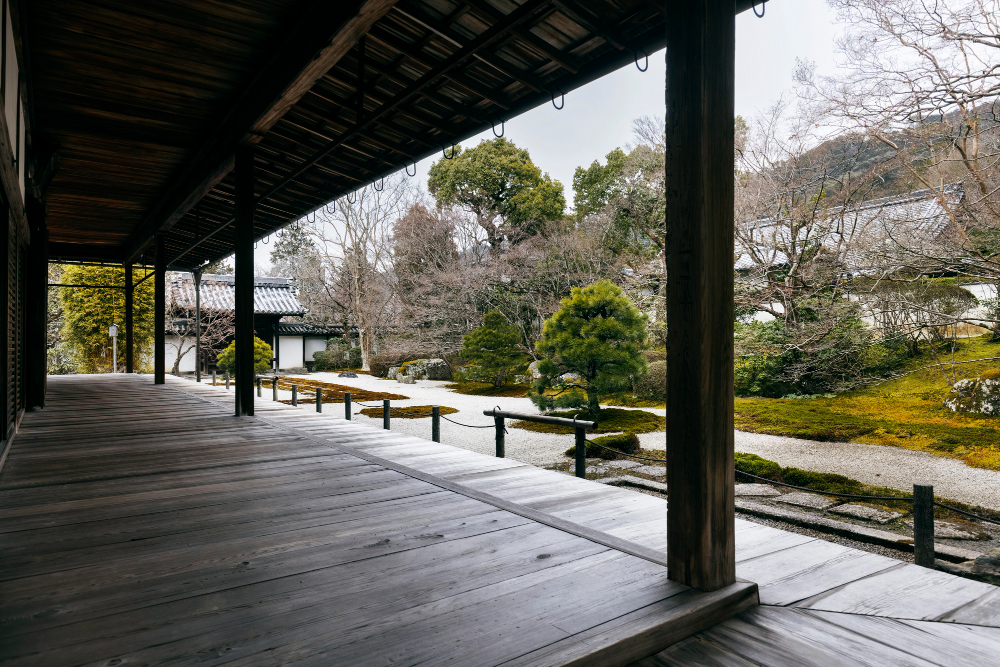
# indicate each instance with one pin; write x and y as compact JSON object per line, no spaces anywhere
{"x":922,"y":498}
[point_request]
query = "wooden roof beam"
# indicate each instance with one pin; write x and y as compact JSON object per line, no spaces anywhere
{"x":322,"y":35}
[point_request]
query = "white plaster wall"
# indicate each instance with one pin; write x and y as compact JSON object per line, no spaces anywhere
{"x":187,"y":362}
{"x":290,"y":352}
{"x":314,"y":345}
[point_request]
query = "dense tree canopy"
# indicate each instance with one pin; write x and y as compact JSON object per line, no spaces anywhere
{"x":498,"y":183}
{"x":88,"y":312}
{"x":494,"y":350}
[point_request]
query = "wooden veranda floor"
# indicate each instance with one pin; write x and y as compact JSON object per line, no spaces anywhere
{"x":145,"y":525}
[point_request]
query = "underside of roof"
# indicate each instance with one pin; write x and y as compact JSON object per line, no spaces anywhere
{"x":137,"y":107}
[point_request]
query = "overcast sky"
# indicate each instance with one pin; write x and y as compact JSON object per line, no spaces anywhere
{"x":598,"y":117}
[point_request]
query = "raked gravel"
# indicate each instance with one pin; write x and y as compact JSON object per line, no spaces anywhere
{"x":873,"y":464}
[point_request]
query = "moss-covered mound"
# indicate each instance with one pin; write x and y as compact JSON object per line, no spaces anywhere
{"x":486,"y":389}
{"x":604,"y":446}
{"x":610,"y":420}
{"x":407,"y":412}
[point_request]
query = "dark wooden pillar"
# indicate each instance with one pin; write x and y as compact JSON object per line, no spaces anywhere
{"x":244,"y":280}
{"x":129,"y":339}
{"x":36,"y":305}
{"x":197,"y":325}
{"x":699,"y":209}
{"x":159,"y":312}
{"x":8,"y":408}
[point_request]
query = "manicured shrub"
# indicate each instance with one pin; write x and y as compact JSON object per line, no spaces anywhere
{"x":756,"y":465}
{"x":379,"y":364}
{"x":262,"y":356}
{"x":623,"y":442}
{"x":654,"y":383}
{"x":494,"y":351}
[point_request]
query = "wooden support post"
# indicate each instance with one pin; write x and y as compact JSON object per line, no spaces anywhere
{"x":436,"y":423}
{"x":260,"y":386}
{"x":213,"y":378}
{"x":581,"y":451}
{"x":699,"y":212}
{"x":498,"y":422}
{"x":319,"y":400}
{"x":385,"y":413}
{"x":347,"y":405}
{"x":129,"y":320}
{"x":197,"y":327}
{"x":923,"y":525}
{"x":159,"y":312}
{"x":227,"y":380}
{"x":295,"y":394}
{"x":36,"y":305}
{"x":244,"y":279}
{"x":274,"y":388}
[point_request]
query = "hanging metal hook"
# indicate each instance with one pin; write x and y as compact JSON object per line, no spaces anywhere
{"x":266,"y":240}
{"x":380,"y":186}
{"x":351,"y":201}
{"x":562,"y":100}
{"x":444,"y":151}
{"x":407,"y":168}
{"x":641,"y":69}
{"x":763,"y":8}
{"x":502,"y":128}
{"x":254,"y":245}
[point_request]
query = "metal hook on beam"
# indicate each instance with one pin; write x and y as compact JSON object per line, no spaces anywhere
{"x":407,"y":168}
{"x":351,"y":201}
{"x":266,"y":240}
{"x":641,"y":69}
{"x":763,"y":8}
{"x":380,"y":186}
{"x":562,"y":100}
{"x":444,"y":151}
{"x":502,"y":128}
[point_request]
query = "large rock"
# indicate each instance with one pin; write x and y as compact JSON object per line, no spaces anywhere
{"x":980,"y":395}
{"x":533,"y":370}
{"x":392,"y":372}
{"x":426,"y":369}
{"x":988,"y":563}
{"x":405,"y":379}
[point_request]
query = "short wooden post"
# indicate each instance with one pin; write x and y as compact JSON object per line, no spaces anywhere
{"x":385,"y":413}
{"x":923,"y":525}
{"x":227,"y":380}
{"x":319,"y":400}
{"x":274,"y":388}
{"x":436,"y":423}
{"x":295,"y":394}
{"x":498,"y":421}
{"x":347,"y":405}
{"x":581,"y":452}
{"x":213,"y":378}
{"x":260,"y":386}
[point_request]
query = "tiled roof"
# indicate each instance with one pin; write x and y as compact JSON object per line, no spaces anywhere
{"x":304,"y":329}
{"x":917,"y":216}
{"x":271,"y":296}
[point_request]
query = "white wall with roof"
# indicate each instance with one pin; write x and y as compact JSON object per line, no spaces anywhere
{"x":312,"y":346}
{"x":290,"y":352}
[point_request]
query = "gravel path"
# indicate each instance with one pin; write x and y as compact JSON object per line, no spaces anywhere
{"x":873,"y":464}
{"x":876,"y":464}
{"x":540,"y":449}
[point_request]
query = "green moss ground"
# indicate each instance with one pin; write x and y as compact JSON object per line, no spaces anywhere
{"x":903,"y":412}
{"x":407,"y":412}
{"x":487,"y":389}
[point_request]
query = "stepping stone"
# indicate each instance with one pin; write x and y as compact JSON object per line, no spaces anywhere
{"x":803,"y":499}
{"x":756,"y":490}
{"x":656,"y":471}
{"x":867,"y":513}
{"x":623,"y":465}
{"x":948,"y":531}
{"x":632,"y":480}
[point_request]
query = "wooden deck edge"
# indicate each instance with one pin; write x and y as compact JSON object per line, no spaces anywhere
{"x":647,"y":631}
